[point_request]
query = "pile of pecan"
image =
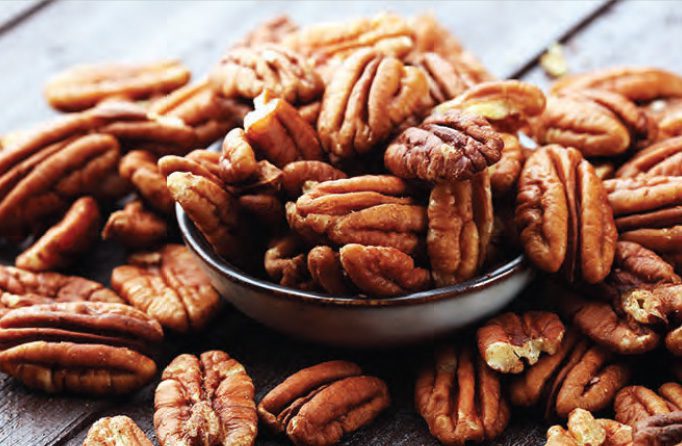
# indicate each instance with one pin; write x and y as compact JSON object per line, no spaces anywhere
{"x":370,"y":158}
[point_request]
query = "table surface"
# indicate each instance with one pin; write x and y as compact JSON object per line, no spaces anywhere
{"x":38,"y":38}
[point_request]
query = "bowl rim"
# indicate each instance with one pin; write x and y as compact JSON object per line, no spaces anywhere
{"x":196,"y":243}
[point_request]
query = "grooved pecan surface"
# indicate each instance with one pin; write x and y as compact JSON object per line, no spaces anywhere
{"x":443,"y":79}
{"x":140,"y":168}
{"x":504,"y":174}
{"x":382,"y":271}
{"x":83,"y":86}
{"x":563,"y":215}
{"x":663,"y":158}
{"x":506,"y":340}
{"x":205,"y":401}
{"x":460,"y":226}
{"x":62,"y":243}
{"x":368,"y":98}
{"x":326,"y":271}
{"x":460,"y":398}
{"x":295,"y":175}
{"x":319,"y":404}
{"x":659,"y":430}
{"x":237,"y":158}
{"x":115,"y":431}
{"x":135,"y":227}
{"x":83,"y":347}
{"x":452,"y":146}
{"x":636,"y":403}
{"x":285,"y":262}
{"x":169,"y":286}
{"x":583,"y":429}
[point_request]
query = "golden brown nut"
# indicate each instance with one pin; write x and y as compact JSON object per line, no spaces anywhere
{"x":369,"y":97}
{"x":84,"y":86}
{"x":295,"y":175}
{"x":584,"y":430}
{"x":668,"y":116}
{"x":205,"y":401}
{"x":237,"y":158}
{"x":659,"y":430}
{"x":140,"y":168}
{"x":285,"y":262}
{"x":460,"y":226}
{"x":382,"y":271}
{"x":505,"y":173}
{"x":605,"y":171}
{"x":579,"y":375}
{"x":65,"y":241}
{"x":504,"y":341}
{"x":460,"y":398}
{"x":169,"y":286}
{"x":247,"y":72}
{"x":444,"y":81}
{"x":326,"y":271}
{"x":663,"y":158}
{"x":135,"y":227}
{"x":83,"y":347}
{"x":453,"y":146}
{"x":270,"y":31}
{"x":636,"y":403}
{"x":319,"y":404}
{"x":113,"y":431}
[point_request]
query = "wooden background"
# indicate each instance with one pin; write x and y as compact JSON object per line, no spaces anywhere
{"x":38,"y":38}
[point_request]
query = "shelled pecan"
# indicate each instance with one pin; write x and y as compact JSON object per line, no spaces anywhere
{"x":205,"y":400}
{"x":452,"y":146}
{"x":237,"y":158}
{"x":443,"y":79}
{"x":636,"y":403}
{"x":663,"y":158}
{"x":460,"y":226}
{"x":504,"y":174}
{"x":84,"y":347}
{"x":326,"y":271}
{"x":113,"y":431}
{"x":563,"y":215}
{"x":169,"y":286}
{"x":64,"y":242}
{"x":319,"y":404}
{"x":505,"y":340}
{"x":296,"y":175}
{"x":84,"y":86}
{"x":460,"y":398}
{"x":135,"y":227}
{"x":583,"y":429}
{"x":285,"y":262}
{"x":270,"y":31}
{"x":579,"y":375}
{"x":140,"y":169}
{"x":368,"y":98}
{"x":668,"y":114}
{"x":659,"y":430}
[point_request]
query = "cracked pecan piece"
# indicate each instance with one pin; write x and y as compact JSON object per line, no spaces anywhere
{"x":659,"y":430}
{"x":563,"y":215}
{"x":319,"y":404}
{"x":460,"y":398}
{"x":169,"y":286}
{"x":205,"y":401}
{"x":135,"y":227}
{"x":285,"y":262}
{"x":367,"y":100}
{"x":65,"y":241}
{"x":444,"y":81}
{"x":295,"y":175}
{"x":663,"y":158}
{"x":382,"y":271}
{"x":460,"y":227}
{"x":326,"y":270}
{"x":247,"y":72}
{"x":504,"y":174}
{"x":140,"y":168}
{"x":506,"y":340}
{"x":634,"y":404}
{"x":84,"y":86}
{"x":82,"y":347}
{"x":584,"y":430}
{"x":579,"y":375}
{"x":452,"y":146}
{"x":114,"y":431}
{"x":635,"y":83}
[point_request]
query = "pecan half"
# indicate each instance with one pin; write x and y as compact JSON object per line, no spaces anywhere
{"x":140,"y":168}
{"x":453,"y":146}
{"x":84,"y":86}
{"x":659,"y":430}
{"x":169,"y":286}
{"x":237,"y":158}
{"x":382,"y":271}
{"x":205,"y":400}
{"x":636,"y":403}
{"x":504,"y":341}
{"x":668,"y":115}
{"x":504,"y":174}
{"x":113,"y":431}
{"x":563,"y":215}
{"x":285,"y":262}
{"x":578,"y":375}
{"x":460,"y":226}
{"x":443,"y":79}
{"x":247,"y":72}
{"x":295,"y":175}
{"x":65,"y":241}
{"x":663,"y":158}
{"x":584,"y":430}
{"x":460,"y":398}
{"x":135,"y":227}
{"x":368,"y":98}
{"x":326,"y":271}
{"x":319,"y":404}
{"x":83,"y":347}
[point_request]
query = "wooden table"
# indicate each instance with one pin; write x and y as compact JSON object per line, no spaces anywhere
{"x":40,"y":38}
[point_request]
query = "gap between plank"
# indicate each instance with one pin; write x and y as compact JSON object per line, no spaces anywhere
{"x":23,"y":16}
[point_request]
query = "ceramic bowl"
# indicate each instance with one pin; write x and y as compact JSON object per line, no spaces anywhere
{"x":353,"y":321}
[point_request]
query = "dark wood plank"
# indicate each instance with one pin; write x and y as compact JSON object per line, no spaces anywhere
{"x":12,"y":11}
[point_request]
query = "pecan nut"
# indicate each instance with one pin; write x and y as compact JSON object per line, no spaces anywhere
{"x":237,"y":158}
{"x":583,"y":429}
{"x":663,"y":158}
{"x":112,"y":431}
{"x":285,"y":262}
{"x":659,"y":430}
{"x":140,"y":169}
{"x":135,"y":227}
{"x":295,"y":175}
{"x":453,"y":146}
{"x":62,"y":243}
{"x":504,"y":174}
{"x":84,"y":86}
{"x":269,"y":31}
{"x":169,"y":286}
{"x":460,"y":398}
{"x":444,"y":81}
{"x":319,"y":404}
{"x":382,"y":271}
{"x":668,"y":115}
{"x":460,"y":227}
{"x":326,"y":271}
{"x":206,"y":400}
{"x":504,"y":341}
{"x":634,"y":404}
{"x":563,"y":215}
{"x":83,"y":347}
{"x":369,"y":97}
